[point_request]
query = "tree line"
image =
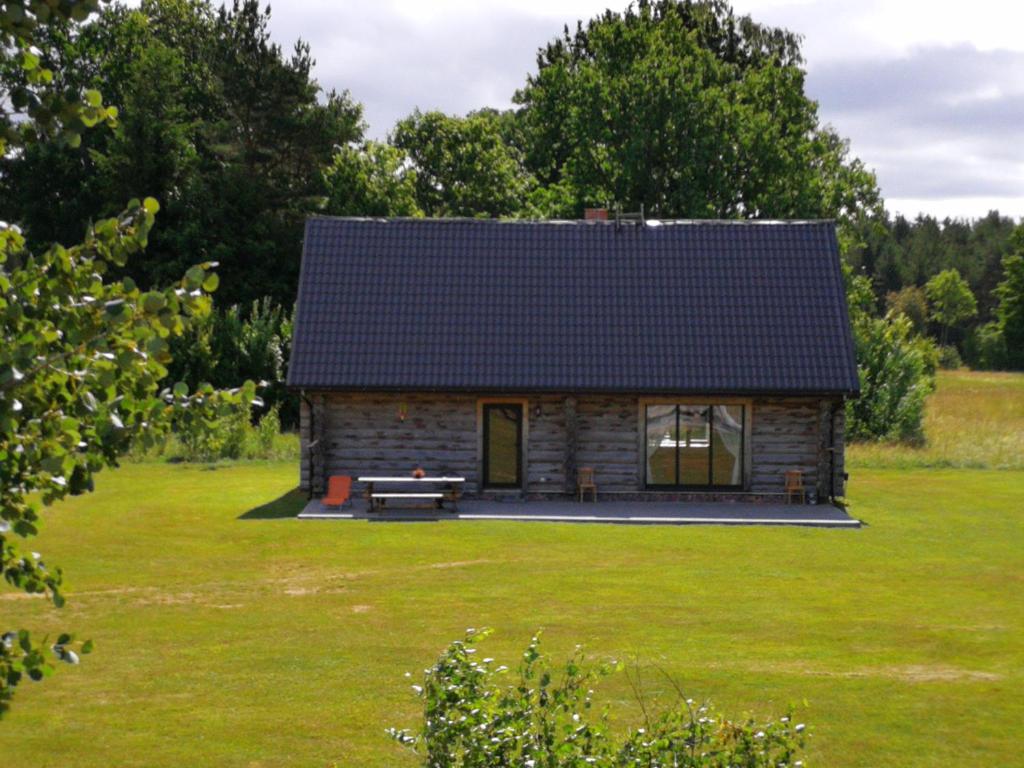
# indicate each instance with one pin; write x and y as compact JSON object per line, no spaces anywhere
{"x":956,"y":280}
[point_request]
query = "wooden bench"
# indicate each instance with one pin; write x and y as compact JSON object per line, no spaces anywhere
{"x":378,"y":500}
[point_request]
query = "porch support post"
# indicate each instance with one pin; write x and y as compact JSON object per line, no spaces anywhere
{"x":571,"y":444}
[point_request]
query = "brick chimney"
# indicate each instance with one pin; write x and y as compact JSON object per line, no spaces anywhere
{"x":595,"y":214}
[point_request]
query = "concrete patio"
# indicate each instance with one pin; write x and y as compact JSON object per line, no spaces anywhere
{"x":619,"y":512}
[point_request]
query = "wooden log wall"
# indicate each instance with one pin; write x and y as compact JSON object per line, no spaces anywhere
{"x":359,"y":434}
{"x":304,"y":440}
{"x":547,"y":440}
{"x":786,"y":434}
{"x":609,"y":441}
{"x":839,"y":449}
{"x":317,"y":449}
{"x":366,"y":435}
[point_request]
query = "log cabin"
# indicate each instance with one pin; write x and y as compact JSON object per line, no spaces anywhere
{"x":674,"y":360}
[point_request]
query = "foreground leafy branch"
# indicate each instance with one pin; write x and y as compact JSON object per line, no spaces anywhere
{"x":81,"y":354}
{"x":474,"y":718}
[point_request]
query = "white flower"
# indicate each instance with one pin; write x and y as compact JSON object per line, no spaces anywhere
{"x":418,"y":688}
{"x":799,"y":727}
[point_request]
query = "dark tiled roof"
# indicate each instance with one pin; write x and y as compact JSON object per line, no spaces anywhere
{"x":685,"y":307}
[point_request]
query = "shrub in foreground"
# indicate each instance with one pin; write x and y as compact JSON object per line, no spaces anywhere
{"x":479,"y":715}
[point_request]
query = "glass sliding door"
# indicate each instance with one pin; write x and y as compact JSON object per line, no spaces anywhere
{"x":661,"y":444}
{"x":503,"y":445}
{"x":694,"y":446}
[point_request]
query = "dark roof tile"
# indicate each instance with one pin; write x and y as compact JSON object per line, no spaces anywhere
{"x":723,"y":307}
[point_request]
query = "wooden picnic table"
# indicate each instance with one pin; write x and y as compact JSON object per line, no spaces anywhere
{"x":378,"y":499}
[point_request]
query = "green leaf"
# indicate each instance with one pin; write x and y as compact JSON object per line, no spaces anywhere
{"x":153,"y":302}
{"x":194,"y":277}
{"x":211,"y":282}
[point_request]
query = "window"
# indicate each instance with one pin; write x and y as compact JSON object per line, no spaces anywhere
{"x":695,"y":446}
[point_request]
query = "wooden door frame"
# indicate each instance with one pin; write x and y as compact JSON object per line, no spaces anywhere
{"x":524,"y":432}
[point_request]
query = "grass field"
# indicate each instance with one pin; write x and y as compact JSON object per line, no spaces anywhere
{"x":973,"y":420}
{"x":230,"y":635}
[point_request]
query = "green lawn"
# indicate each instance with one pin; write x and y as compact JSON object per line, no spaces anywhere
{"x":233,"y":639}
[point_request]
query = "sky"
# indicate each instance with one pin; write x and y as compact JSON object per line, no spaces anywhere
{"x":930,"y":94}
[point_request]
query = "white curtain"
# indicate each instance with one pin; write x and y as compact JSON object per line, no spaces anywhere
{"x":729,"y":427}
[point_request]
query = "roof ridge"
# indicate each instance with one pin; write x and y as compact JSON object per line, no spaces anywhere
{"x":652,"y":221}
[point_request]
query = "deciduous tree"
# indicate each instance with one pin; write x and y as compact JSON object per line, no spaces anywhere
{"x":372,"y":179}
{"x":690,"y":111}
{"x":1010,"y":312}
{"x":950,"y":299}
{"x":464,"y":166}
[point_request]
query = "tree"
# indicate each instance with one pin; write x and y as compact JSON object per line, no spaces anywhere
{"x":895,"y":367}
{"x":951,"y":300}
{"x":911,"y":302}
{"x":689,"y":111}
{"x":232,"y":143}
{"x":373,"y":179}
{"x":897,"y":373}
{"x":81,"y":354}
{"x":1010,"y":312}
{"x":463,"y":165}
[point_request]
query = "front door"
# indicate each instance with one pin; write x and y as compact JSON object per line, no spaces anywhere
{"x":503,"y":445}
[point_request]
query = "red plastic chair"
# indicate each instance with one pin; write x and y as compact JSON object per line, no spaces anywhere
{"x":339,"y":487}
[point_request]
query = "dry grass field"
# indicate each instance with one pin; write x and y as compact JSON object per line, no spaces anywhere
{"x":972,"y":420}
